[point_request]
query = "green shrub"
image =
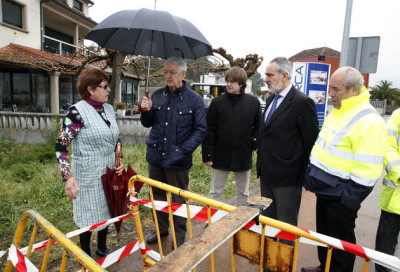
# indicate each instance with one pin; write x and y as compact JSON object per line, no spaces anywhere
{"x":121,"y":106}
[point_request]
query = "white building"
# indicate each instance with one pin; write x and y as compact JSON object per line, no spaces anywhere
{"x":37,"y":36}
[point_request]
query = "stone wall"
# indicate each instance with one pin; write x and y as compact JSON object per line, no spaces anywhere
{"x":34,"y":128}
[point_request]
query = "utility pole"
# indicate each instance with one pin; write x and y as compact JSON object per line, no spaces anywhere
{"x":346,"y":33}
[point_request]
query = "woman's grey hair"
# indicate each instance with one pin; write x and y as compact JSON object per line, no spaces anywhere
{"x":283,"y":65}
{"x":353,"y":78}
{"x":177,"y":60}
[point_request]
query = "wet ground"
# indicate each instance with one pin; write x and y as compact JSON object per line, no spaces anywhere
{"x":366,"y":226}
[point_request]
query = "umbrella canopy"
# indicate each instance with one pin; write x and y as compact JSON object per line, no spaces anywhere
{"x":149,"y":32}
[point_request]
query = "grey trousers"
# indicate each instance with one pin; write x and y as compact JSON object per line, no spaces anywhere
{"x":242,"y":181}
{"x":177,"y":178}
{"x":285,"y":204}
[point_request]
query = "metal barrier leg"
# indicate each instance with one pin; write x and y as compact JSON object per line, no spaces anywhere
{"x":295,"y":254}
{"x":156,"y":221}
{"x":46,"y":254}
{"x":64,"y":261}
{"x":134,"y":207}
{"x":17,"y":239}
{"x":189,"y":221}
{"x":209,"y":223}
{"x":233,"y":253}
{"x":171,"y":219}
{"x":262,"y":247}
{"x":365,"y":266}
{"x":34,"y":232}
{"x":328,"y":259}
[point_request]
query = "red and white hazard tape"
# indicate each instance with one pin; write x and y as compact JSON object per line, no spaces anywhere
{"x":200,"y":214}
{"x":43,"y":244}
{"x":125,"y":251}
{"x":20,"y":262}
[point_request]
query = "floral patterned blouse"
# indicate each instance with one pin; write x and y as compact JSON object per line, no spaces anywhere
{"x":71,"y":126}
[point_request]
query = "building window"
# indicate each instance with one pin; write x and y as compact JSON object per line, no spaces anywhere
{"x":78,"y":5}
{"x":12,"y":13}
{"x":51,"y":42}
{"x":5,"y":92}
{"x":24,"y":91}
{"x":129,"y":93}
{"x":68,"y":95}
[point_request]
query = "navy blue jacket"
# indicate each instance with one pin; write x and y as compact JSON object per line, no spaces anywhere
{"x":327,"y":186}
{"x":178,"y":122}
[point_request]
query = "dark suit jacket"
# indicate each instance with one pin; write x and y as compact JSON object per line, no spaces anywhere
{"x":286,"y":141}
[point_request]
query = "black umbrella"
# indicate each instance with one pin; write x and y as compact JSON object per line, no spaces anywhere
{"x":149,"y":32}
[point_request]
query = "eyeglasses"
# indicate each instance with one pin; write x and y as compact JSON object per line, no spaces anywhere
{"x":172,"y":72}
{"x":106,"y":86}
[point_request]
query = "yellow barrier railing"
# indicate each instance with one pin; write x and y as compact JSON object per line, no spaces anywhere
{"x":69,"y":247}
{"x":228,"y":208}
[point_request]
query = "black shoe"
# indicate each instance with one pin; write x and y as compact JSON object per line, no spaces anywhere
{"x":101,"y":253}
{"x":179,"y":241}
{"x":153,"y":237}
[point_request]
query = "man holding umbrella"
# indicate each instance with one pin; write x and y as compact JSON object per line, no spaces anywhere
{"x":178,"y":120}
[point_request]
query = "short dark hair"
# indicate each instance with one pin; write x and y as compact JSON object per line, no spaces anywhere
{"x":237,"y":74}
{"x":89,"y":77}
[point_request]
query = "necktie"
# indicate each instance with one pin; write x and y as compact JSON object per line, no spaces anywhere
{"x":273,"y":107}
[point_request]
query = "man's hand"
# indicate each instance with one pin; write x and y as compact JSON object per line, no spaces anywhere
{"x":70,"y":186}
{"x":208,"y":163}
{"x":146,"y":103}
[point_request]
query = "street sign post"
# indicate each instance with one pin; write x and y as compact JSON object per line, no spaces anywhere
{"x":363,"y":53}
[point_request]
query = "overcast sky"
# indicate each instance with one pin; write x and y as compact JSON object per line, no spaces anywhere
{"x":282,"y":28}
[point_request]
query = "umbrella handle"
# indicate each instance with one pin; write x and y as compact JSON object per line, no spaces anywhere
{"x":118,"y":162}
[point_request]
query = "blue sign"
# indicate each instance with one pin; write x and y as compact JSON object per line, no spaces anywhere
{"x":312,"y":79}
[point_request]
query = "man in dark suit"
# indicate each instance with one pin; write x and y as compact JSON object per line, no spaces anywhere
{"x":288,"y":130}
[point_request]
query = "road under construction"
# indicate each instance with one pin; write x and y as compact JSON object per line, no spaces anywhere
{"x":211,"y":246}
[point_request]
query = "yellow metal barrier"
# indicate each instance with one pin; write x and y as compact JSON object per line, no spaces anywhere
{"x":69,"y":247}
{"x":258,"y":249}
{"x":228,"y":208}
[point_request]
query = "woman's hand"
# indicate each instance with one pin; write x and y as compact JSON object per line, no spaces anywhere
{"x":119,"y":169}
{"x":70,"y":186}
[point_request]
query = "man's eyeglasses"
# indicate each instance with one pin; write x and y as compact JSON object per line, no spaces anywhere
{"x":106,"y":86}
{"x":172,"y":72}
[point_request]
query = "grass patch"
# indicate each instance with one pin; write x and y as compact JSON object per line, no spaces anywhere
{"x":30,"y":179}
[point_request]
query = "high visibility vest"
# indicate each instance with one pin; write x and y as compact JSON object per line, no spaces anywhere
{"x":351,"y":142}
{"x":390,"y":192}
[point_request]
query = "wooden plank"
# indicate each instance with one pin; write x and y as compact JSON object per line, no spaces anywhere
{"x":191,"y":253}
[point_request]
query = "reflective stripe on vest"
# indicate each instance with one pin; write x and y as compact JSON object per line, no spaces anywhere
{"x":390,"y":184}
{"x":342,"y":174}
{"x":391,"y":132}
{"x":392,"y":164}
{"x":349,"y":155}
{"x":333,"y":150}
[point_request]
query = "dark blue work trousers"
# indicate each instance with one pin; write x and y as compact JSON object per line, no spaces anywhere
{"x":386,"y":236}
{"x":336,"y":220}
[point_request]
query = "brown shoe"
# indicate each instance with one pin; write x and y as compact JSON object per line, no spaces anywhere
{"x":311,"y":269}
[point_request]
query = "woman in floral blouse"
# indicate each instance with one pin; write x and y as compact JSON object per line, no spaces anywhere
{"x":91,"y":127}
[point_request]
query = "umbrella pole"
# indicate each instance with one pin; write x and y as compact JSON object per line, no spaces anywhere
{"x":146,"y":90}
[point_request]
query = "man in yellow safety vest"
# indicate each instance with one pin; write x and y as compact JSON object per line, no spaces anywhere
{"x":345,"y":163}
{"x":389,"y":202}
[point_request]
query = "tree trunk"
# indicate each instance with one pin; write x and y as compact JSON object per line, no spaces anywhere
{"x":115,"y":94}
